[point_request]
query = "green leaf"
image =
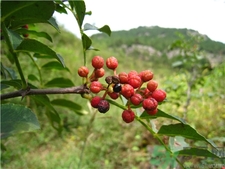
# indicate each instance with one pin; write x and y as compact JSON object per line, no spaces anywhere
{"x":88,"y":26}
{"x":54,"y":65}
{"x":60,"y":82}
{"x":86,"y":41}
{"x":19,"y":13}
{"x":183,"y":130}
{"x":72,"y":4}
{"x":68,"y":104}
{"x":197,"y":152}
{"x":35,"y":33}
{"x":31,"y":45}
{"x":14,"y":38}
{"x":14,"y":83}
{"x":53,"y":23}
{"x":16,"y":119}
{"x":60,"y":9}
{"x":9,"y":7}
{"x":105,"y":29}
{"x":80,"y":9}
{"x":177,"y":143}
{"x":33,"y":77}
{"x":7,"y":72}
{"x":160,"y":113}
{"x":52,"y":114}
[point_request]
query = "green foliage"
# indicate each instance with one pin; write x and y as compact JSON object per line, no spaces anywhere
{"x":40,"y":51}
{"x":16,"y":119}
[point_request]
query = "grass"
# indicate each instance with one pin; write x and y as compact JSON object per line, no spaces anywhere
{"x":107,"y":142}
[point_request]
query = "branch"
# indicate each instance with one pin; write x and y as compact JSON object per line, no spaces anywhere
{"x":24,"y":92}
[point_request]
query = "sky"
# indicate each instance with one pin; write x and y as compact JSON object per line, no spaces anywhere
{"x":205,"y":16}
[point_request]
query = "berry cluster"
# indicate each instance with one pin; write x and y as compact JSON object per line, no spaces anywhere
{"x":138,"y":88}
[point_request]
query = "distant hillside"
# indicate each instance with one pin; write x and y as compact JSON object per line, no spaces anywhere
{"x":152,"y":44}
{"x":156,"y":37}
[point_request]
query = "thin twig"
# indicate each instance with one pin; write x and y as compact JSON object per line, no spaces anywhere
{"x":24,"y":92}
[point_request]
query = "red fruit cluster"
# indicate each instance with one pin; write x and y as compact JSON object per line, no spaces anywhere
{"x":138,"y":88}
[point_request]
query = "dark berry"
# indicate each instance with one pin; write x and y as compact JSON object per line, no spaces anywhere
{"x":103,"y":106}
{"x":117,"y":88}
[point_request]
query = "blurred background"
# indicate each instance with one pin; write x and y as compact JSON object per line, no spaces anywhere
{"x":182,"y":42}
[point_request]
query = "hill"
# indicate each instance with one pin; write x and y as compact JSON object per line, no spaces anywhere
{"x":156,"y":40}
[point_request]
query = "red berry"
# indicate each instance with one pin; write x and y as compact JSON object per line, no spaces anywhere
{"x":103,"y":106}
{"x":112,"y":63}
{"x":132,"y":73}
{"x":114,"y":95}
{"x":136,"y":99}
{"x":128,"y":116}
{"x":134,"y":81}
{"x":25,"y":26}
{"x":152,"y":112}
{"x":159,"y":95}
{"x":127,"y":91}
{"x":97,"y":62}
{"x":99,"y":72}
{"x":123,"y":78}
{"x":95,"y":100}
{"x":96,"y":87}
{"x":83,"y":71}
{"x":146,"y":75}
{"x":146,"y":93}
{"x":149,"y":104}
{"x":152,"y":85}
